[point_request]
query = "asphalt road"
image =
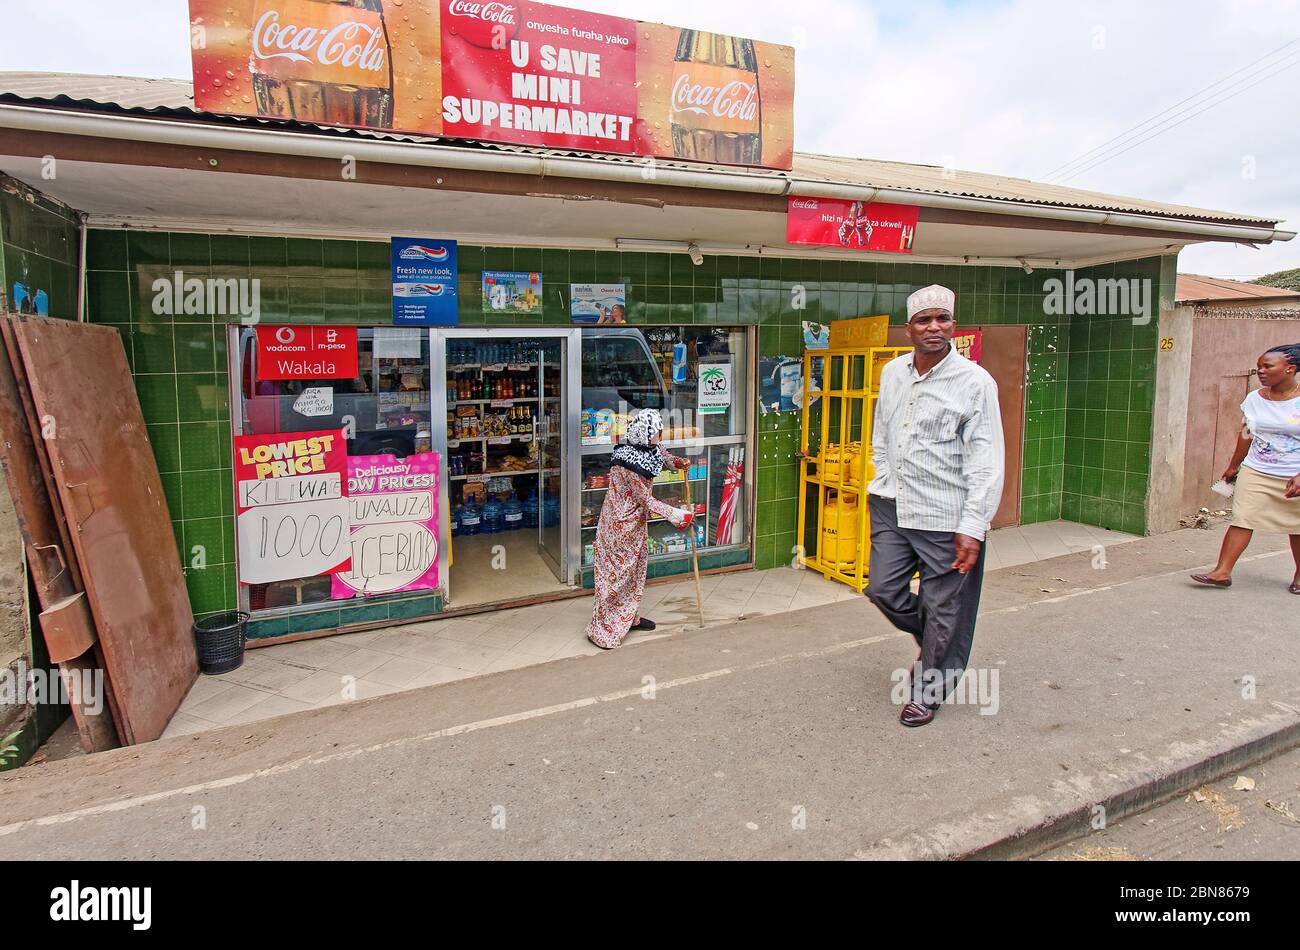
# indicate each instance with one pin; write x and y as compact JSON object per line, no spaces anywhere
{"x":775,"y":737}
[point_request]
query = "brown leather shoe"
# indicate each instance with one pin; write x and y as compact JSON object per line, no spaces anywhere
{"x":914,"y":714}
{"x":1209,"y":581}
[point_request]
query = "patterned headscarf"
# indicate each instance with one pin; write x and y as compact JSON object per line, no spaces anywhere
{"x":637,"y":453}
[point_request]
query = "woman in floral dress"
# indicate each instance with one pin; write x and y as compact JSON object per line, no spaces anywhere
{"x":620,"y":547}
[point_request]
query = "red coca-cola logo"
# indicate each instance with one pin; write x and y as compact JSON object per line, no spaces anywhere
{"x":486,"y":25}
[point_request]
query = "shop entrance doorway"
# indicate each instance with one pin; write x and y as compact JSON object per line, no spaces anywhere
{"x":506,"y":397}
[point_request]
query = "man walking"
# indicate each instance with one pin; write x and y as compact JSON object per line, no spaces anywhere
{"x":938,"y":450}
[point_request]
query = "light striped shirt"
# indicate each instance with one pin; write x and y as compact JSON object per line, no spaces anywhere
{"x":937,"y":445}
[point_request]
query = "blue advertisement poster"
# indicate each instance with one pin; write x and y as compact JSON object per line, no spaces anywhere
{"x":424,"y":283}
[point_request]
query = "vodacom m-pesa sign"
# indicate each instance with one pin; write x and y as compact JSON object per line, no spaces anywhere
{"x":287,"y":352}
{"x":529,"y":73}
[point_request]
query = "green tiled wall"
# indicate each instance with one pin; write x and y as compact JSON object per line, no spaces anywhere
{"x":180,"y":362}
{"x":1110,"y":405}
{"x":39,"y":247}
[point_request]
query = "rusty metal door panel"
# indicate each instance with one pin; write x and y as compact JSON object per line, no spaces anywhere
{"x":112,"y":498}
{"x":1005,"y":357}
{"x":69,"y":633}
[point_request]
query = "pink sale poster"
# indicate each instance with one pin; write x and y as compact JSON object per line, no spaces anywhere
{"x":394,"y":514}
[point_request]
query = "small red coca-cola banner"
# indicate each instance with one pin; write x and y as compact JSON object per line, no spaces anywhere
{"x":855,"y":225}
{"x":306,"y":352}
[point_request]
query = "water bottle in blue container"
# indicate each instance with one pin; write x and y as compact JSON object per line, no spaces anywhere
{"x":492,"y":516}
{"x":470,"y":518}
{"x":512,"y":514}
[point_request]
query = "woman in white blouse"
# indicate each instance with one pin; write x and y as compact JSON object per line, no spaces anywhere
{"x":1265,"y":465}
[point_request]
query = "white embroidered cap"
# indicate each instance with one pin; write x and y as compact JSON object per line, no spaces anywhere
{"x":933,"y":297}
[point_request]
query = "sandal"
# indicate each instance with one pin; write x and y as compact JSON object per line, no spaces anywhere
{"x":1209,"y":581}
{"x":643,"y":624}
{"x":1294,"y":589}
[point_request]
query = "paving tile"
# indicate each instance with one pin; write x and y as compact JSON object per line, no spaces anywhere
{"x":224,"y":705}
{"x":439,"y":674}
{"x":359,"y":639}
{"x":514,"y":661}
{"x":274,"y":676}
{"x":780,"y":580}
{"x":183,"y":725}
{"x":543,"y":645}
{"x":317,"y":654}
{"x":357,"y":663}
{"x":768,"y":603}
{"x":397,"y":642}
{"x":269,"y":708}
{"x":319,"y":686}
{"x":469,"y":656}
{"x":503,"y":638}
{"x":205,"y":687}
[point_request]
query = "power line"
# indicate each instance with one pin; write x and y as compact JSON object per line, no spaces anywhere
{"x":1158,"y":132}
{"x":1158,"y":116}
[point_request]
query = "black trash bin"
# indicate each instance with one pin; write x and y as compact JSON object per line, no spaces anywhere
{"x":220,"y":641}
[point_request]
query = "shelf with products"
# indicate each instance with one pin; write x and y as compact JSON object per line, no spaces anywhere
{"x":490,"y":402}
{"x":663,"y":538}
{"x":491,"y":367}
{"x":656,"y":485}
{"x":484,"y":476}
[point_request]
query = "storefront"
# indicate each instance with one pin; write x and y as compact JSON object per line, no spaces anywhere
{"x":530,"y":416}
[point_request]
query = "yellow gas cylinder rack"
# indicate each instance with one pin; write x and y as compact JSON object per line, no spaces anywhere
{"x":841,"y":385}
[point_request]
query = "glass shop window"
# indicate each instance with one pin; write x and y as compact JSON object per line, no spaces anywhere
{"x":385,"y":410}
{"x":697,"y":378}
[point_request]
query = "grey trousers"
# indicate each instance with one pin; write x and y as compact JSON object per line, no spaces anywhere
{"x":942,"y":616}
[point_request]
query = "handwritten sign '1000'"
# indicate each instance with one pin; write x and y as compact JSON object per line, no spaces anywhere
{"x":292,"y":505}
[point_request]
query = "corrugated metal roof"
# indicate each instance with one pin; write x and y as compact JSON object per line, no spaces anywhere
{"x":175,"y":98}
{"x":1193,"y":288}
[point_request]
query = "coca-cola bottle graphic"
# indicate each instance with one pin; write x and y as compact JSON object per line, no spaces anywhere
{"x":716,"y":109}
{"x":326,"y":61}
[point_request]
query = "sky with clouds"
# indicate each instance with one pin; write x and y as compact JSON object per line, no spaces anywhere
{"x":1013,"y":87}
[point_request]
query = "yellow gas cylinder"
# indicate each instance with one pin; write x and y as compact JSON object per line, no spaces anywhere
{"x":839,"y":547}
{"x":831,"y":467}
{"x":852,"y":459}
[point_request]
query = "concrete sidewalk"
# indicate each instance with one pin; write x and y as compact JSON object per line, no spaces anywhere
{"x":774,"y":737}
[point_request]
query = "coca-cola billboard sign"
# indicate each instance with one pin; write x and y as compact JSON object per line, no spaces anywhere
{"x":519,"y":72}
{"x":852,"y":225}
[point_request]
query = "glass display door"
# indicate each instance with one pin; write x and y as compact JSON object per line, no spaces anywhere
{"x":505,"y":447}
